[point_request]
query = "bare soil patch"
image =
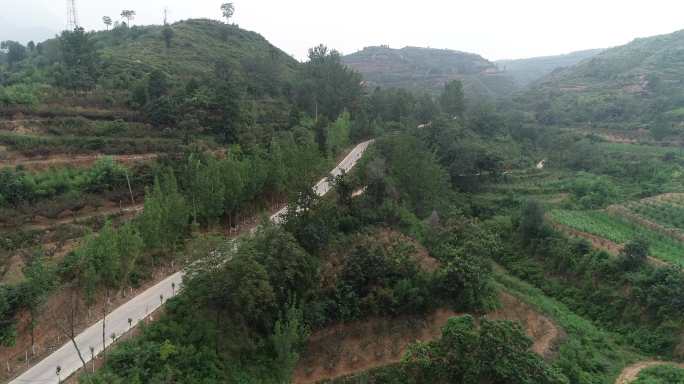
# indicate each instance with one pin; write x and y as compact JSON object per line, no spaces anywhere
{"x":631,"y":373}
{"x":543,"y":331}
{"x":351,"y":348}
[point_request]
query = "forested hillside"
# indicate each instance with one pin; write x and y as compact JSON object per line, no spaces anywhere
{"x":113,"y":143}
{"x":480,"y":239}
{"x":632,"y":86}
{"x":427,"y":70}
{"x":527,"y":71}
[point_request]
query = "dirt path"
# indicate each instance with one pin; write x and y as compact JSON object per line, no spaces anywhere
{"x":631,"y":373}
{"x":346,"y":349}
{"x":601,"y":243}
{"x":543,"y":331}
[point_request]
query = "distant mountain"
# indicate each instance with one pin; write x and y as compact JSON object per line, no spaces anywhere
{"x":638,"y":83}
{"x":427,"y":70}
{"x":527,"y":71}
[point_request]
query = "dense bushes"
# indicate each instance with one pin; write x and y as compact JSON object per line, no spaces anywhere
{"x":469,"y":353}
{"x":625,"y":294}
{"x":491,"y":352}
{"x":19,"y":187}
{"x":20,"y":94}
{"x":50,"y":145}
{"x":665,"y":374}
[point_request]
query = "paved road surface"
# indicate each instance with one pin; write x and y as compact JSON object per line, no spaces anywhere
{"x":139,"y":307}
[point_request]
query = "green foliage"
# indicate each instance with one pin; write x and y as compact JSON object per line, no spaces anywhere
{"x":79,"y":60}
{"x":494,"y":351}
{"x":19,"y":187}
{"x":424,"y":70}
{"x":621,"y":231}
{"x":20,"y":94}
{"x":168,"y":34}
{"x":663,"y":374}
{"x":15,"y":52}
{"x":589,"y":354}
{"x":627,"y":85}
{"x":635,"y":253}
{"x":531,"y":220}
{"x":338,"y":133}
{"x":165,"y":217}
{"x":452,"y":99}
{"x":106,"y":260}
{"x":596,"y":285}
{"x":326,"y":86}
{"x":289,"y":335}
{"x":412,"y":172}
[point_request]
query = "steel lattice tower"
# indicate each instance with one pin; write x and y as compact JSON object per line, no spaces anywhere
{"x":72,"y":15}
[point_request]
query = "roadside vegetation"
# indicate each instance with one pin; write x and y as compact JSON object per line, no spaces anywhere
{"x":460,"y":201}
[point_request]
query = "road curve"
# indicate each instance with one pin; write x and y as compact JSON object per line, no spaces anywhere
{"x":139,"y":307}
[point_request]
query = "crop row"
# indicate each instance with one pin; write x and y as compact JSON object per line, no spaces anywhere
{"x":620,"y":231}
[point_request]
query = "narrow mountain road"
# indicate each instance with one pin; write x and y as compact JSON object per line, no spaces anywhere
{"x":138,"y":308}
{"x":631,"y":373}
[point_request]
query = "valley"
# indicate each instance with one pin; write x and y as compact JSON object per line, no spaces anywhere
{"x":188,"y":203}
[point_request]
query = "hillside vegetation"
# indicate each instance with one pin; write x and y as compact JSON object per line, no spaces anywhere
{"x":631,"y":86}
{"x":427,"y":70}
{"x":465,"y":202}
{"x":527,"y":71}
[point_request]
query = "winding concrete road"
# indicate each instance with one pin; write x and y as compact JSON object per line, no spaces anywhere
{"x":138,"y":308}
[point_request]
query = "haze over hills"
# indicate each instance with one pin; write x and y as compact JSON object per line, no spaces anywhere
{"x":129,"y":153}
{"x":526,"y":71}
{"x":638,"y":83}
{"x":427,"y":70}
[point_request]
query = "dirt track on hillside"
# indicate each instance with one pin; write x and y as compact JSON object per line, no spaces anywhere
{"x":603,"y":244}
{"x":346,"y":349}
{"x":631,"y":373}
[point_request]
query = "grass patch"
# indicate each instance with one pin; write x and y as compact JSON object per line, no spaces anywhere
{"x":590,"y":354}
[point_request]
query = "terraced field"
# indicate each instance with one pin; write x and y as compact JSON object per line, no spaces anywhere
{"x":665,"y":210}
{"x":620,"y":230}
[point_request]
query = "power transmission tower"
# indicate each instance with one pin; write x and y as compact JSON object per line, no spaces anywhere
{"x":72,"y":15}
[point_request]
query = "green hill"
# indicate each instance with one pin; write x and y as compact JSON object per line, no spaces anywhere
{"x":527,"y":71}
{"x":427,"y":70}
{"x":638,"y":84}
{"x":195,"y":46}
{"x":185,"y":50}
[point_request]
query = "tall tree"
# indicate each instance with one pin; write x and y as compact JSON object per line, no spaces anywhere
{"x":165,"y":216}
{"x":326,"y":86}
{"x":227,"y":102}
{"x":129,"y":15}
{"x":79,"y":59}
{"x":15,"y":52}
{"x":168,"y":34}
{"x":107,"y":21}
{"x":40,"y":280}
{"x":228,"y":10}
{"x":452,"y":99}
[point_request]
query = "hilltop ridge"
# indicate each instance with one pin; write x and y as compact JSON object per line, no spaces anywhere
{"x":428,"y":69}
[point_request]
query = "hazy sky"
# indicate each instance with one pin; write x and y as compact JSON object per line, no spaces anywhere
{"x":496,"y":29}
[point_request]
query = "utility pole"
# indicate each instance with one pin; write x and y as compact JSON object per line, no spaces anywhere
{"x":166,"y":15}
{"x":72,"y":15}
